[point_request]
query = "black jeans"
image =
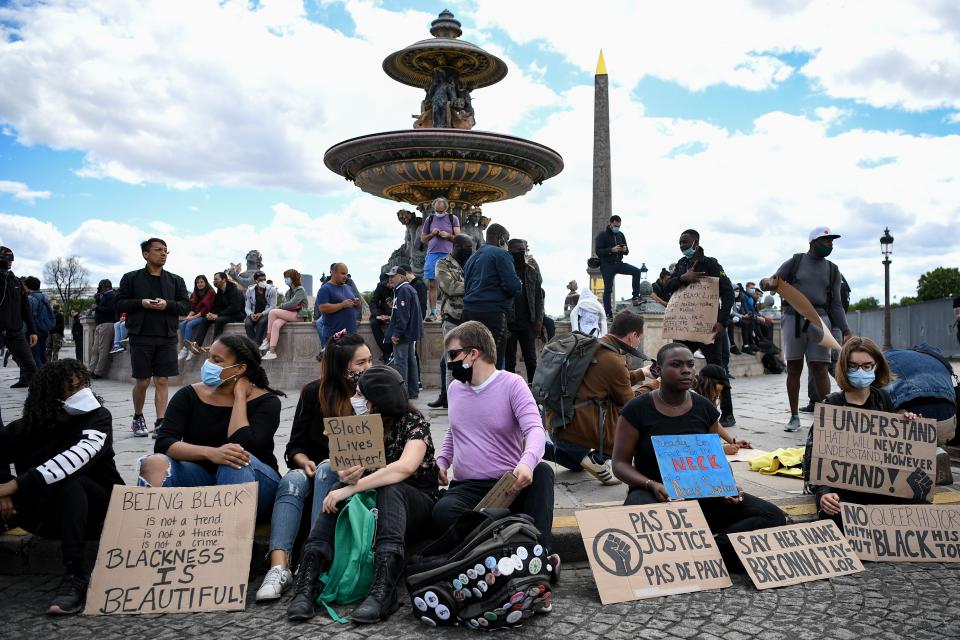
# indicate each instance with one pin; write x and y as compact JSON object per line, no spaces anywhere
{"x":528,"y":346}
{"x":17,"y":345}
{"x":200,"y":333}
{"x":609,"y":271}
{"x":72,"y":511}
{"x":376,"y":328}
{"x":403,"y":510}
{"x":496,"y":322}
{"x":714,"y":354}
{"x":536,"y":501}
{"x":78,"y":346}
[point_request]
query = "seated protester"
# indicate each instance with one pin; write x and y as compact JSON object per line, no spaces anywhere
{"x":659,"y":292}
{"x":259,"y":300}
{"x":734,"y":320}
{"x":62,"y":449}
{"x":227,"y":308}
{"x":710,"y":383}
{"x":922,"y":384}
{"x":674,"y":410}
{"x":861,"y":374}
{"x":588,"y":316}
{"x":495,"y":427}
{"x":220,"y":430}
{"x":406,"y":492}
{"x":293,"y":308}
{"x":201,"y":303}
{"x":335,"y":394}
{"x":606,"y":387}
{"x":119,"y":334}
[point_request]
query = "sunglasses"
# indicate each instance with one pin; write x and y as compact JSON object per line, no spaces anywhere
{"x":453,"y":353}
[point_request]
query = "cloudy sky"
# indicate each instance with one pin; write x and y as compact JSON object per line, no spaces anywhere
{"x":206,"y":122}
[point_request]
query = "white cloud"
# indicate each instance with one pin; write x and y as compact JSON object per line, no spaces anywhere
{"x":20,"y":191}
{"x":162,"y":227}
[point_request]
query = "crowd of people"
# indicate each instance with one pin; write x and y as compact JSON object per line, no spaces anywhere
{"x":222,"y":429}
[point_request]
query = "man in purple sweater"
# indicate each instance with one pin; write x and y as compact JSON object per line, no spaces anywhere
{"x":495,"y":427}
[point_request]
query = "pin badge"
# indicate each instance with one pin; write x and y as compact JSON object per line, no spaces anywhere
{"x":513,"y":616}
{"x":428,"y":621}
{"x":420,"y":604}
{"x":443,"y":612}
{"x":431,"y":599}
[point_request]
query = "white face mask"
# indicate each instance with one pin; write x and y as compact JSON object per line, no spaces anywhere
{"x":359,"y":405}
{"x":262,"y":284}
{"x":81,"y":402}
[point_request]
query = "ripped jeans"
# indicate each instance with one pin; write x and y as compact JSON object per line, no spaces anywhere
{"x":292,"y":494}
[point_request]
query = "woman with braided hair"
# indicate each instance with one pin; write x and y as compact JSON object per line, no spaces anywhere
{"x":220,"y":430}
{"x":62,"y":449}
{"x":304,"y":487}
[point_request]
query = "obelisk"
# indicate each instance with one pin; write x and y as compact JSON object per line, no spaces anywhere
{"x":602,"y":206}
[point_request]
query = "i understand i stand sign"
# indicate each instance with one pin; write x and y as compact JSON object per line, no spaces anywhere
{"x":174,"y":550}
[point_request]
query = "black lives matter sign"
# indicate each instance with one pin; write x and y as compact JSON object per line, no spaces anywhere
{"x":647,"y":551}
{"x":903,"y":533}
{"x":873,"y":452}
{"x":356,"y":441}
{"x":796,"y":553}
{"x":166,"y":550}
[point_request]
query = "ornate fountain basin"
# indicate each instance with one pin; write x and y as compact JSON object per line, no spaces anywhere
{"x":467,"y":167}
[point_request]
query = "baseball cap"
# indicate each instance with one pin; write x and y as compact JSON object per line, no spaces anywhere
{"x":716,"y":372}
{"x":397,"y":271}
{"x":383,"y":386}
{"x":822,"y":232}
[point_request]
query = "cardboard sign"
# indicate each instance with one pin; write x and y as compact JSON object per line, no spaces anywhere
{"x":694,"y":466}
{"x":903,"y":532}
{"x":692,"y":311}
{"x":174,"y":550}
{"x":651,"y":550}
{"x":802,"y":306}
{"x":497,"y":497}
{"x":746,"y":455}
{"x":356,"y":441}
{"x":796,"y":553}
{"x":873,"y":452}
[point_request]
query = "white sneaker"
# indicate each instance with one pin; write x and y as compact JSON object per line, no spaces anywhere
{"x":269,"y":355}
{"x":189,"y":356}
{"x":265,"y":345}
{"x":602,"y":472}
{"x":699,"y":354}
{"x":274,"y":584}
{"x":184,"y":352}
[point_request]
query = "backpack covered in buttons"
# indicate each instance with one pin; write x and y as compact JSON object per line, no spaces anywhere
{"x":487,"y":572}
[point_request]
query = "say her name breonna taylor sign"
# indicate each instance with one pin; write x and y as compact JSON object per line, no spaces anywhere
{"x":873,"y":452}
{"x":174,"y":550}
{"x":651,"y":550}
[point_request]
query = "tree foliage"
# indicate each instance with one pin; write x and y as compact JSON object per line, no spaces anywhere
{"x":942,"y":282}
{"x":68,"y":277}
{"x":865,"y":304}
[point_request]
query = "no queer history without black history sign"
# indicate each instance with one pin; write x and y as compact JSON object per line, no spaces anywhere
{"x":903,"y":532}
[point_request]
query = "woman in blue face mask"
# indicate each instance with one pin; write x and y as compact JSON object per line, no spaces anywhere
{"x":861,"y":375}
{"x":220,"y":430}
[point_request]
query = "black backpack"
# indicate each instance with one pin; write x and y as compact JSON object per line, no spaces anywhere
{"x":487,"y":572}
{"x":560,"y":369}
{"x":773,"y":364}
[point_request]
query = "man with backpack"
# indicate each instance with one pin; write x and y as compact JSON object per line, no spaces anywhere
{"x":818,"y":280}
{"x":437,"y":232}
{"x":582,"y":434}
{"x":44,"y":319}
{"x":813,"y":395}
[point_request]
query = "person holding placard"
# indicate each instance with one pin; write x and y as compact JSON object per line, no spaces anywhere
{"x":861,"y":373}
{"x":220,"y":430}
{"x":674,"y":410}
{"x":62,"y":449}
{"x":310,"y":478}
{"x":406,"y":492}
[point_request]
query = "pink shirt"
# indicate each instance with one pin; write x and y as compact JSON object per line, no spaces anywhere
{"x":493,"y":430}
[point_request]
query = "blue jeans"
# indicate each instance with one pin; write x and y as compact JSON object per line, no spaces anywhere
{"x":39,"y":350}
{"x":292,"y":494}
{"x":183,"y":473}
{"x":119,"y":331}
{"x":186,"y":327}
{"x":405,"y":360}
{"x":609,"y":272}
{"x":569,"y":454}
{"x":256,"y":330}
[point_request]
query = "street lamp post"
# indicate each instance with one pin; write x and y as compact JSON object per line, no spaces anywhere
{"x":886,"y":242}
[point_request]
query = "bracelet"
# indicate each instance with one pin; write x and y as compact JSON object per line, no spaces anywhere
{"x":649,"y":484}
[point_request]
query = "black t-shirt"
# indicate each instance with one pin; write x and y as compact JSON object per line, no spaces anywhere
{"x":642,"y":414}
{"x":154,"y":322}
{"x":260,"y":300}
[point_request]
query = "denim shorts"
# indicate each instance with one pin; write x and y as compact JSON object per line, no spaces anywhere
{"x":430,"y":265}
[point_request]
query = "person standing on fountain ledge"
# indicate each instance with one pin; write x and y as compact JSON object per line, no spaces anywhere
{"x":610,"y":247}
{"x":693,"y":266}
{"x":437,"y":232}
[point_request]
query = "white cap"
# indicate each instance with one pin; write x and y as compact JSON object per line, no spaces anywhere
{"x":822,"y":232}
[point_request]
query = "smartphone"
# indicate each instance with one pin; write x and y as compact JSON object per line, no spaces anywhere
{"x":655,"y":369}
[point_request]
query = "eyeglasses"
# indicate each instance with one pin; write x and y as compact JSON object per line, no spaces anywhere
{"x":453,"y":353}
{"x":160,"y":250}
{"x":866,"y":366}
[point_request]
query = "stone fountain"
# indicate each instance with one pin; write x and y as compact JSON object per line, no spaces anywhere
{"x":443,"y":155}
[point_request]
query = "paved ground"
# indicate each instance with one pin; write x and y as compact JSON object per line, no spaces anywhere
{"x":886,"y":601}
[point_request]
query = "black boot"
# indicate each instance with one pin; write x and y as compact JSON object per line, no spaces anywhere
{"x":441,"y":401}
{"x":381,"y":600}
{"x":307,"y":588}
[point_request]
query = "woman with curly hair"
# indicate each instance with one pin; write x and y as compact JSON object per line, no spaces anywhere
{"x":62,"y":449}
{"x":220,"y":430}
{"x":304,"y":487}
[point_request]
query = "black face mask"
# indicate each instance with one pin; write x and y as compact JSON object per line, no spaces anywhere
{"x":517,"y":258}
{"x":460,"y":372}
{"x":462,"y":255}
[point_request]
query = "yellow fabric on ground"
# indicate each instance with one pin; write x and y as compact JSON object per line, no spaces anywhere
{"x":785,"y":462}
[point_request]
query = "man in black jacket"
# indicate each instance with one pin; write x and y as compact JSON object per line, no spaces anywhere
{"x":229,"y":306}
{"x":526,"y":320}
{"x":153,"y":299}
{"x":381,"y":306}
{"x":419,"y":286}
{"x":692,"y":266}
{"x":610,"y":246}
{"x":14,"y":314}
